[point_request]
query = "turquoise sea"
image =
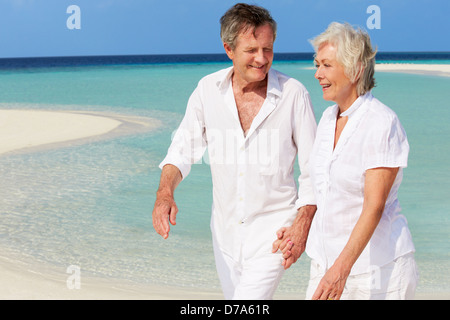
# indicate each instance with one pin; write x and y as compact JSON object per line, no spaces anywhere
{"x":90,"y":205}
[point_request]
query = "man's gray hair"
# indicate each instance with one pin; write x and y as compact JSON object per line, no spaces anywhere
{"x":354,"y":52}
{"x":241,"y":18}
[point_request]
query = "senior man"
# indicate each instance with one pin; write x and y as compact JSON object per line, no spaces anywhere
{"x":254,"y":121}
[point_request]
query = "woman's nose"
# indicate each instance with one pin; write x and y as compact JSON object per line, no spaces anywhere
{"x":318,"y":74}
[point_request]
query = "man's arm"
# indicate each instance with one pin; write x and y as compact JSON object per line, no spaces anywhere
{"x":165,"y":208}
{"x":292,"y":240}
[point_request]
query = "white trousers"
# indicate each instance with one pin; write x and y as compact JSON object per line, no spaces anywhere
{"x":394,"y":281}
{"x":256,"y":278}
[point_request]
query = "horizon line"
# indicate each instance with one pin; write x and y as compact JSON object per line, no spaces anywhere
{"x":201,"y":54}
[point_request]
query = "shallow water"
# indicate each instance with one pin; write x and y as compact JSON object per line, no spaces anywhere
{"x":90,"y":205}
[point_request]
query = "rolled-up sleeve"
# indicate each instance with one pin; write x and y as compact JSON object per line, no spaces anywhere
{"x":305,"y":127}
{"x":189,"y":142}
{"x":388,"y":146}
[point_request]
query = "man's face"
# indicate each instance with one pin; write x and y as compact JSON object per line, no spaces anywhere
{"x":253,"y":55}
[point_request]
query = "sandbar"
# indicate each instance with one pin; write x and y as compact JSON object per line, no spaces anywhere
{"x":442,"y":70}
{"x":29,"y":129}
{"x":23,"y":130}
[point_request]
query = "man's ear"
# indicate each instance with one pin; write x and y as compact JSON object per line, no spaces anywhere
{"x":228,"y":51}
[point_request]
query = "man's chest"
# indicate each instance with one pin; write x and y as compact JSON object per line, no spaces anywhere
{"x":248,"y":106}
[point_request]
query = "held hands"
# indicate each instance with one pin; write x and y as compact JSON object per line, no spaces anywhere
{"x":291,"y":241}
{"x":332,"y":284}
{"x":290,"y":244}
{"x":165,"y":210}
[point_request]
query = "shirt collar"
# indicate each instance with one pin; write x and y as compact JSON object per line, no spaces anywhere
{"x":273,"y":85}
{"x":358,"y":102}
{"x":225,"y":81}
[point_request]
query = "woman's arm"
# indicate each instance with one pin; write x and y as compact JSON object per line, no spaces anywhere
{"x":377,"y":186}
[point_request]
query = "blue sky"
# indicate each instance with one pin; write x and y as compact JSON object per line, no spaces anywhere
{"x":34,"y":28}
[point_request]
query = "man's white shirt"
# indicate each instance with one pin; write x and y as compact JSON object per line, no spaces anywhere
{"x":254,"y":189}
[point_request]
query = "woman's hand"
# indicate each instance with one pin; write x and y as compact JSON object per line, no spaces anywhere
{"x":332,"y":284}
{"x":291,"y":241}
{"x":378,"y":183}
{"x":286,"y":246}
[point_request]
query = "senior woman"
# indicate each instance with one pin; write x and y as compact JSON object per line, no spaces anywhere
{"x":359,"y":244}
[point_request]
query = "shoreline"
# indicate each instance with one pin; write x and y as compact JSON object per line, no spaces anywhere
{"x":442,"y":70}
{"x":33,"y":280}
{"x":28,"y":130}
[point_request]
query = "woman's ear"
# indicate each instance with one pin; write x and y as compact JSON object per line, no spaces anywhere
{"x":360,"y":72}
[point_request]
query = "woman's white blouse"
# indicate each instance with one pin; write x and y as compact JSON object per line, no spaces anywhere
{"x":373,"y":137}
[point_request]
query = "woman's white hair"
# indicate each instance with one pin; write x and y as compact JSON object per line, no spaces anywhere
{"x":354,"y":52}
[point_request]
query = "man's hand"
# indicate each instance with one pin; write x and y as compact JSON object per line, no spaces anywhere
{"x":165,"y":210}
{"x":291,"y":241}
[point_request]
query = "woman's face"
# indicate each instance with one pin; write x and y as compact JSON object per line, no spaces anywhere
{"x":336,"y":86}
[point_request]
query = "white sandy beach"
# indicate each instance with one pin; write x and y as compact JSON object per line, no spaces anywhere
{"x":425,"y":69}
{"x":31,"y":281}
{"x":21,"y":129}
{"x":442,"y":70}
